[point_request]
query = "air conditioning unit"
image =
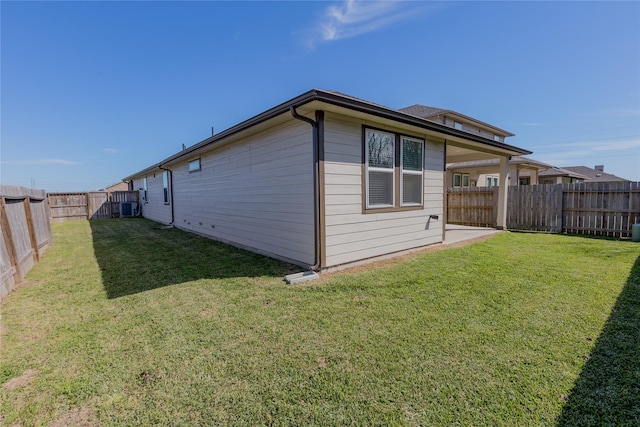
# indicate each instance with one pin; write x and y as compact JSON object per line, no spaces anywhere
{"x":128,"y":209}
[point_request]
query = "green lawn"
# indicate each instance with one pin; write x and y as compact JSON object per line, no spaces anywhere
{"x":125,"y":323}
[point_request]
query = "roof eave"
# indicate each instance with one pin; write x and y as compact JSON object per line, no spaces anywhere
{"x":341,"y":101}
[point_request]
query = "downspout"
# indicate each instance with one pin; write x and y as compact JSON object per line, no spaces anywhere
{"x":315,"y":124}
{"x":170,"y":192}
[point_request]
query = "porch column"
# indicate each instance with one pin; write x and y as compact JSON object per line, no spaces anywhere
{"x":501,"y":221}
{"x":514,"y":174}
{"x":534,"y":177}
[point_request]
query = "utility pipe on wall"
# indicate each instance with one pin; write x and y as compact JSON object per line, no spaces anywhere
{"x":316,"y":125}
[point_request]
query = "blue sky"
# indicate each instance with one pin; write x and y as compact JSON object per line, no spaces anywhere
{"x":94,"y":91}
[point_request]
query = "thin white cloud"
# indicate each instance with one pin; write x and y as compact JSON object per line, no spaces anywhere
{"x":571,"y":152}
{"x":603,"y":145}
{"x":353,"y":18}
{"x":111,"y":150}
{"x":40,"y":162}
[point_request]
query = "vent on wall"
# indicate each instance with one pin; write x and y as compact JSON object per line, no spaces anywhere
{"x":128,"y":209}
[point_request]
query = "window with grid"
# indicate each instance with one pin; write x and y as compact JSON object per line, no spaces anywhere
{"x":394,"y":170}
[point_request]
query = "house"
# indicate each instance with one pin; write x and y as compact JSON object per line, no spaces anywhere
{"x":597,"y":174}
{"x":323,"y":180}
{"x":484,"y":173}
{"x":118,"y":186}
{"x":556,"y":175}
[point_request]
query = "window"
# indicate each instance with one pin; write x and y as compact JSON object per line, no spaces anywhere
{"x":492,"y":181}
{"x":194,"y":165}
{"x":496,"y":138}
{"x":457,"y":125}
{"x":380,"y":164}
{"x":165,"y":186}
{"x":411,"y":171}
{"x":461,"y":180}
{"x":144,"y":189}
{"x":394,"y":170}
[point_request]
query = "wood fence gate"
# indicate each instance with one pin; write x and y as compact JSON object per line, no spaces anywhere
{"x":474,"y":206}
{"x":535,"y":208}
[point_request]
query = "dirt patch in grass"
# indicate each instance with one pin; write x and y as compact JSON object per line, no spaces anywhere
{"x":77,"y":417}
{"x":24,"y":379}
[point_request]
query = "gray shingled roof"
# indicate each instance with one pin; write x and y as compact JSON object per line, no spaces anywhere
{"x":594,"y":175}
{"x":426,"y":112}
{"x":422,"y":111}
{"x":555,"y":171}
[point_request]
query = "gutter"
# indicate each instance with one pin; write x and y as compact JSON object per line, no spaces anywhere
{"x":318,"y":134}
{"x":170,"y":192}
{"x":339,"y":100}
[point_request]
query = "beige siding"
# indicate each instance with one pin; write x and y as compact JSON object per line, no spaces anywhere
{"x":351,"y":235}
{"x":256,"y":193}
{"x":154,"y":207}
{"x":468,"y":127}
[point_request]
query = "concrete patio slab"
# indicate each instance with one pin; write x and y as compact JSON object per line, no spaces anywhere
{"x":460,"y":233}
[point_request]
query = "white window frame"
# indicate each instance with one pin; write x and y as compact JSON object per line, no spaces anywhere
{"x":492,"y":181}
{"x":411,"y":172}
{"x":462,"y":177}
{"x":194,"y":165}
{"x":459,"y":176}
{"x":166,"y":188}
{"x":144,"y":188}
{"x":378,"y":169}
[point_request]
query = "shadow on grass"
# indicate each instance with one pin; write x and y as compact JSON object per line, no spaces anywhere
{"x":608,"y":389}
{"x":137,"y":255}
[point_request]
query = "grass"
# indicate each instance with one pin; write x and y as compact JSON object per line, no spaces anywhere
{"x":124,"y":323}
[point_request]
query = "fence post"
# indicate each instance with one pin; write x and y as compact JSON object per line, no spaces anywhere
{"x":9,"y":243}
{"x":30,"y":227}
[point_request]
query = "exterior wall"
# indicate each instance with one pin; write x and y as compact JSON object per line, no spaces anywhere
{"x":470,"y":128}
{"x":256,"y":193}
{"x":352,"y":235}
{"x":557,"y":180}
{"x":154,"y":207}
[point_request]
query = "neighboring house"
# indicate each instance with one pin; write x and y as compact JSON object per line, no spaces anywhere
{"x":322,"y":180}
{"x":557,"y":175}
{"x":119,"y":186}
{"x":457,"y":121}
{"x":597,"y":174}
{"x":485,"y":173}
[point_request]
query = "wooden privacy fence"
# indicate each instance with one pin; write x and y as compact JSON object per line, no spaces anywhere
{"x":475,"y":206}
{"x":535,"y":208}
{"x":93,"y":205}
{"x":594,"y":208}
{"x":26,"y":233}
